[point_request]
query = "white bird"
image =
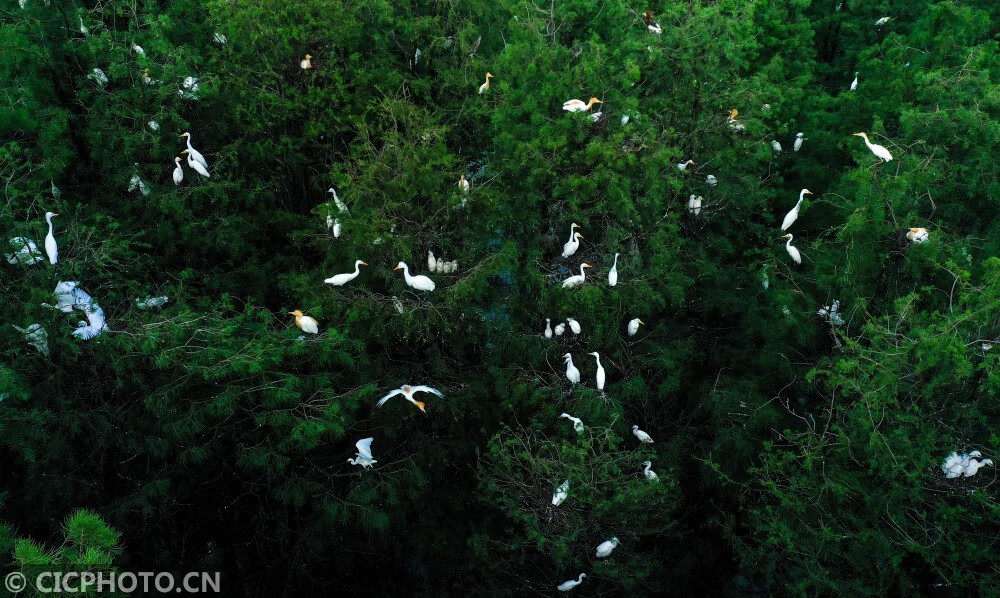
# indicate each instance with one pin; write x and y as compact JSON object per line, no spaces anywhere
{"x":792,"y":251}
{"x":35,"y":336}
{"x":485,"y":86}
{"x":193,"y":152}
{"x":560,"y":328}
{"x":595,"y":116}
{"x":151,"y":302}
{"x":711,"y":180}
{"x":574,"y":325}
{"x":51,"y":248}
{"x":189,"y":91}
{"x":178,"y":172}
{"x":95,"y":323}
{"x":651,"y":25}
{"x":342,"y":279}
{"x":83,"y":28}
{"x":463,"y":184}
{"x":876,"y":149}
{"x":649,"y":473}
{"x":684,"y":165}
{"x":633,"y":326}
{"x":973,"y":467}
{"x":577,"y":280}
{"x":572,"y":374}
{"x":548,"y":328}
{"x":613,"y":273}
{"x":220,"y":38}
{"x":334,"y":223}
{"x":882,"y":21}
{"x":419,"y":282}
{"x":197,"y":166}
{"x":137,"y":182}
{"x":153,"y":125}
{"x":98,"y":76}
{"x":577,"y":422}
{"x":793,"y":215}
{"x":776,"y":146}
{"x":579,"y":106}
{"x":560,"y":494}
{"x":69,"y":297}
{"x":569,"y":585}
{"x":600,"y":371}
{"x":642,"y":436}
{"x":570,"y":247}
{"x":408,"y":391}
{"x":604,"y":548}
{"x":854,"y":84}
{"x":431,"y":261}
{"x":305,"y":323}
{"x":799,"y":138}
{"x":694,"y":204}
{"x":918,"y":235}
{"x":306,"y":63}
{"x":365,"y":458}
{"x":25,"y":252}
{"x":138,"y":49}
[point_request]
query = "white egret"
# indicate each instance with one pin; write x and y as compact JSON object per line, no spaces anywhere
{"x":600,"y":371}
{"x":485,"y":86}
{"x":882,"y":21}
{"x":35,"y":336}
{"x":138,"y":49}
{"x":973,"y":467}
{"x":560,"y":328}
{"x":570,"y":247}
{"x":365,"y":458}
{"x":342,"y":279}
{"x":83,"y":28}
{"x":25,"y":252}
{"x":220,"y":39}
{"x":150,"y":302}
{"x":153,"y":125}
{"x":306,"y":63}
{"x":694,"y":204}
{"x":633,"y":326}
{"x":579,"y":106}
{"x":334,"y":223}
{"x":431,"y":260}
{"x":649,"y":473}
{"x":613,"y":273}
{"x":306,"y":323}
{"x":189,"y":91}
{"x":408,"y":391}
{"x":196,"y":166}
{"x":178,"y":172}
{"x":69,"y":297}
{"x":793,"y":215}
{"x":776,"y":146}
{"x":560,"y":494}
{"x":98,"y":76}
{"x":548,"y":328}
{"x":651,"y":25}
{"x":711,"y":180}
{"x":684,"y":165}
{"x":604,"y":548}
{"x":799,"y":138}
{"x":642,"y":436}
{"x":572,"y":374}
{"x":577,"y":280}
{"x":854,"y":84}
{"x":918,"y":235}
{"x":419,"y":282}
{"x":876,"y":149}
{"x":51,"y":248}
{"x":569,"y":585}
{"x":577,"y":422}
{"x":193,"y":152}
{"x":574,"y":325}
{"x":792,"y":251}
{"x":94,"y":325}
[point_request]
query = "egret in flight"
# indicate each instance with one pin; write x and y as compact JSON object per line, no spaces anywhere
{"x":408,"y":391}
{"x":577,"y":422}
{"x":876,"y":149}
{"x":342,"y":279}
{"x":793,"y":215}
{"x":365,"y":458}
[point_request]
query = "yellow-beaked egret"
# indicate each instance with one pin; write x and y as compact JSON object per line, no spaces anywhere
{"x":548,"y":328}
{"x":306,"y":323}
{"x":649,"y":473}
{"x":419,"y":282}
{"x":463,"y":184}
{"x":918,"y":235}
{"x":633,"y":326}
{"x":876,"y":149}
{"x":574,"y":325}
{"x":570,"y":247}
{"x":793,"y":215}
{"x":600,"y":371}
{"x":604,"y":548}
{"x":178,"y":172}
{"x":799,"y":138}
{"x":684,"y":165}
{"x":485,"y":86}
{"x":572,"y":374}
{"x":854,"y":84}
{"x":560,"y":494}
{"x":306,"y":63}
{"x":577,"y":280}
{"x":196,"y":166}
{"x":50,"y":240}
{"x":577,"y":422}
{"x":408,"y":391}
{"x":193,"y":152}
{"x":792,"y":251}
{"x":613,"y":273}
{"x":579,"y":106}
{"x":642,"y":436}
{"x":365,"y":458}
{"x":342,"y":279}
{"x":569,"y":585}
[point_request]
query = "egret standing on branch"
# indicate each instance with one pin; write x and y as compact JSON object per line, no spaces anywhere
{"x":577,"y":280}
{"x":178,"y":172}
{"x":577,"y":422}
{"x":50,"y":241}
{"x":876,"y":149}
{"x":793,"y":215}
{"x":792,"y":251}
{"x":642,"y":436}
{"x":605,"y":548}
{"x":572,"y":374}
{"x":419,"y":282}
{"x":600,"y":372}
{"x":633,"y":326}
{"x":196,"y":166}
{"x":365,"y":458}
{"x":342,"y":279}
{"x":193,"y":153}
{"x":570,"y":247}
{"x":485,"y":86}
{"x":306,"y":323}
{"x":306,"y":63}
{"x":613,"y":273}
{"x":799,"y":138}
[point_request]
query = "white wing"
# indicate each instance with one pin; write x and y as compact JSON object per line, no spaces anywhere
{"x":398,"y":391}
{"x":416,"y":389}
{"x":365,"y":448}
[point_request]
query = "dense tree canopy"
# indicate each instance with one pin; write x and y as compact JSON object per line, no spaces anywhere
{"x":798,"y":451}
